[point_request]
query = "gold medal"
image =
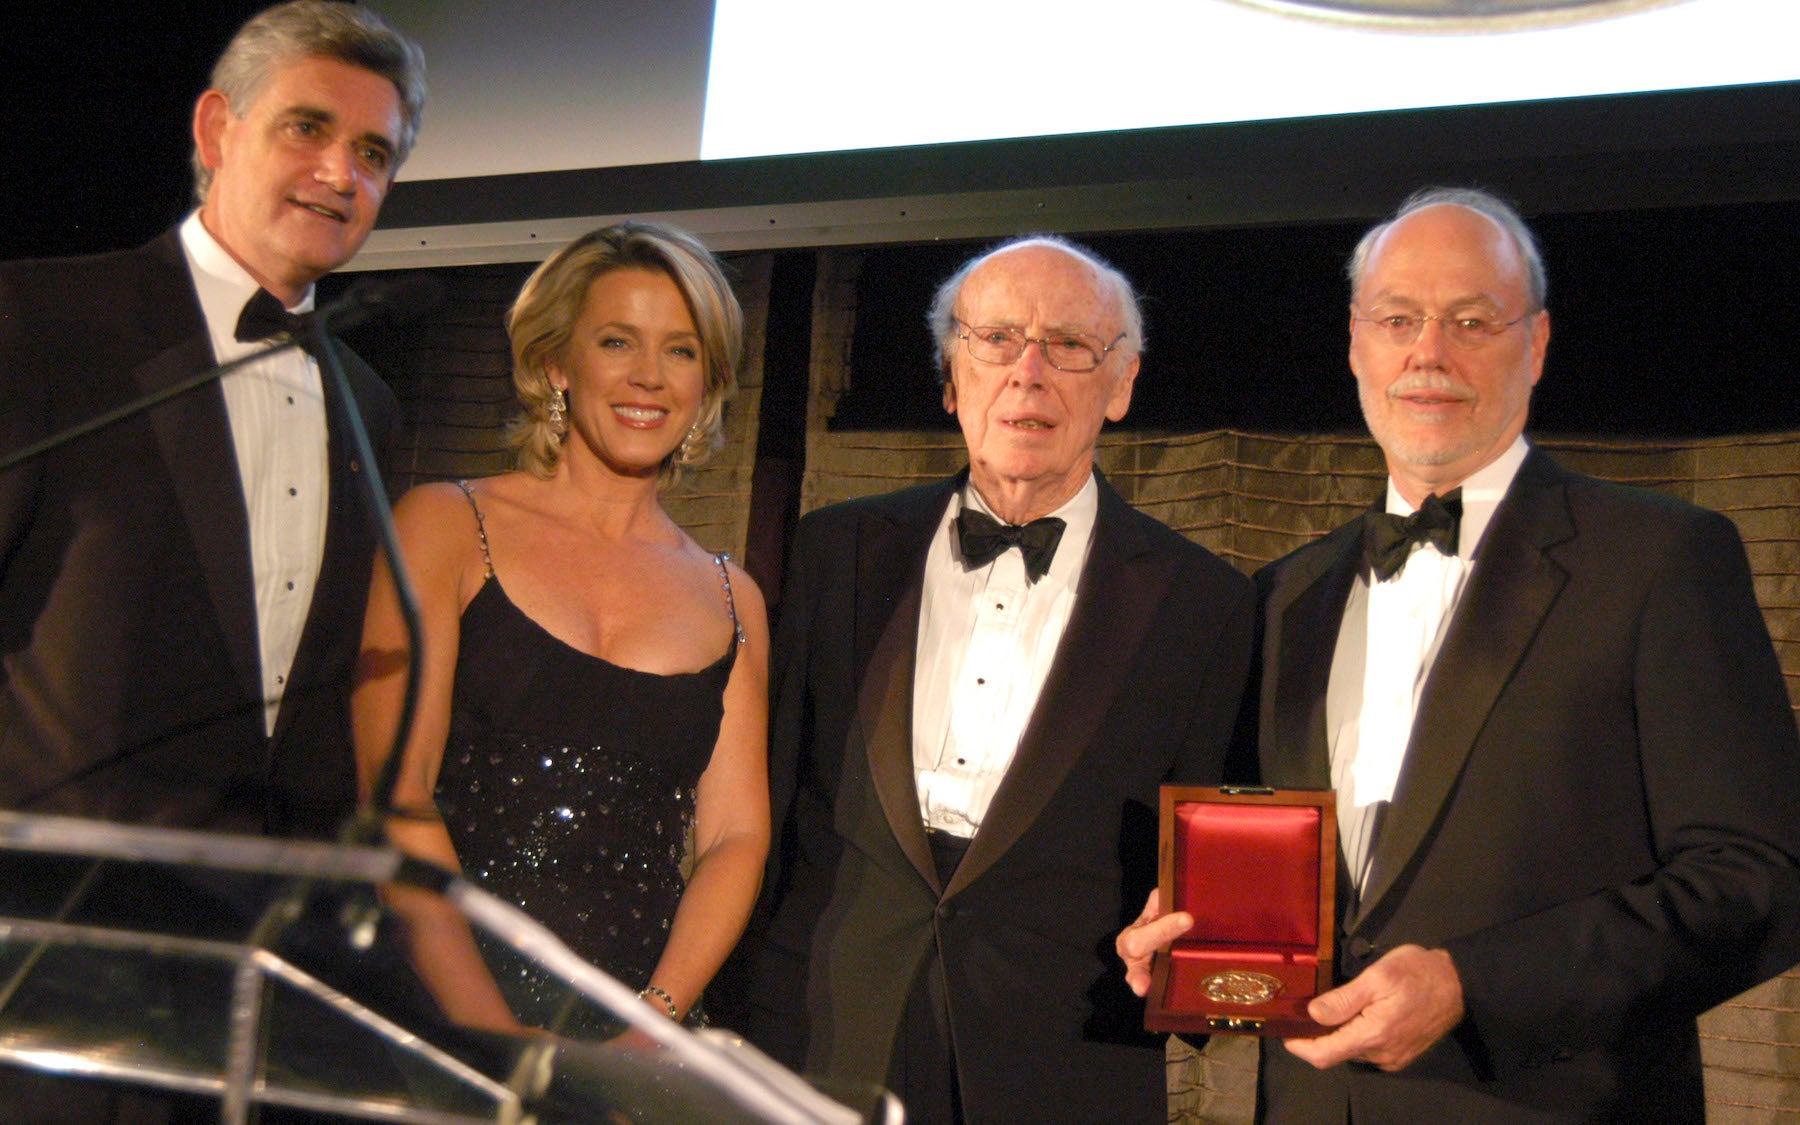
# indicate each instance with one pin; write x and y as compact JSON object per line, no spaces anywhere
{"x":1240,"y":986}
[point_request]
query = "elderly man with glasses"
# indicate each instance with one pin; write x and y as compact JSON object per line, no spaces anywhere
{"x":979,"y":686}
{"x":1567,"y":769}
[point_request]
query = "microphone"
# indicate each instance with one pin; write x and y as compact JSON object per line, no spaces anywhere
{"x":384,"y":301}
{"x":372,"y":301}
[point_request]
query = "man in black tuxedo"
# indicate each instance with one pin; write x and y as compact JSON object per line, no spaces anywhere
{"x":973,"y":712}
{"x":1566,"y":764}
{"x":181,"y":593}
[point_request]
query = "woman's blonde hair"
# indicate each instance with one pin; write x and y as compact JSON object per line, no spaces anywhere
{"x":542,"y":322}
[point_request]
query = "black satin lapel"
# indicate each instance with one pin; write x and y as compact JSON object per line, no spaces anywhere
{"x":890,"y":562}
{"x":349,"y":539}
{"x":1121,"y":587}
{"x":884,"y":726}
{"x":890,"y":572}
{"x":1295,"y":744}
{"x":194,"y":435}
{"x":1510,"y":591}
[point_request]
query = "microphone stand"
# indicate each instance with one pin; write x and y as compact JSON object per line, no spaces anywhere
{"x":367,"y":301}
{"x":143,"y":403}
{"x":367,"y":826}
{"x":358,"y":915}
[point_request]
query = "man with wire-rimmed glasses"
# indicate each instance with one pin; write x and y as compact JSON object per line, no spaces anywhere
{"x":1567,"y":772}
{"x":979,"y":686}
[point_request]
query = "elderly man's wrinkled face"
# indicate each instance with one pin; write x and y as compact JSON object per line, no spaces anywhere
{"x":1449,"y":402}
{"x":298,"y":179}
{"x":1030,"y":427}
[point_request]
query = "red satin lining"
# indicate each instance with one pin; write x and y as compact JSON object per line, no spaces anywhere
{"x":1249,"y":874}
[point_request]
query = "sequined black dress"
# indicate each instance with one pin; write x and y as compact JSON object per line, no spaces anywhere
{"x":567,"y":786}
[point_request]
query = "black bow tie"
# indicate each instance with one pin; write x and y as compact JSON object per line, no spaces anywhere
{"x":264,"y":316}
{"x":1389,"y":539}
{"x":983,"y":538}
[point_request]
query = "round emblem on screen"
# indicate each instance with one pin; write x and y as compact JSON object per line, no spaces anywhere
{"x":1240,"y":986}
{"x":1496,"y":15}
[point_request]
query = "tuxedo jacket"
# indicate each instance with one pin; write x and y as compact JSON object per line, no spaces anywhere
{"x":1598,"y":815}
{"x":131,"y":686}
{"x":1143,"y":690}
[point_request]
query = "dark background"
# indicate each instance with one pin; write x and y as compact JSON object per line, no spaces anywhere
{"x":98,"y":100}
{"x":1668,"y":321}
{"x":1676,"y":320}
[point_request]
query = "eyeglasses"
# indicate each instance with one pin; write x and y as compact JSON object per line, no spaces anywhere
{"x":1065,"y":351}
{"x":1466,"y":329}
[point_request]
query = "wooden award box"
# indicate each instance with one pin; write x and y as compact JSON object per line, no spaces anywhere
{"x":1257,"y":868}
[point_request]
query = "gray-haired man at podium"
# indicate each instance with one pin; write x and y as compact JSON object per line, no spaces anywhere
{"x":181,"y":593}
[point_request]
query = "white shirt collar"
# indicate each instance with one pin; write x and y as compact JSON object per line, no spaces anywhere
{"x":1078,"y":516}
{"x":223,"y":285}
{"x":1481,"y":495}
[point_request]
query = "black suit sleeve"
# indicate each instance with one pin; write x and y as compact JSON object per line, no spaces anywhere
{"x":731,"y":996}
{"x":1221,"y":696}
{"x":1720,"y":769}
{"x":790,"y":711}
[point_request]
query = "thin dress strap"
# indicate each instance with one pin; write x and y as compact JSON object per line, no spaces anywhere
{"x":737,"y":626}
{"x":487,"y":560}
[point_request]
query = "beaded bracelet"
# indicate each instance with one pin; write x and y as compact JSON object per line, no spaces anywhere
{"x":667,"y":1000}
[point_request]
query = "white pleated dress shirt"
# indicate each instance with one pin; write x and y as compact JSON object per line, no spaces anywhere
{"x":276,"y":408}
{"x":987,"y":638}
{"x":1386,"y":647}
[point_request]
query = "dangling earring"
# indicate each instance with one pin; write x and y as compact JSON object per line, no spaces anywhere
{"x":559,"y":425}
{"x":693,"y":445}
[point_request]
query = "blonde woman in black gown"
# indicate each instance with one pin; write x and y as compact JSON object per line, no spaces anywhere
{"x":593,"y":711}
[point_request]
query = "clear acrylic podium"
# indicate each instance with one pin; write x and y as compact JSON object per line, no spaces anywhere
{"x":267,"y":974}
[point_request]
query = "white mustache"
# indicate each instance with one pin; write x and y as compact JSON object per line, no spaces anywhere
{"x":1429,"y":381}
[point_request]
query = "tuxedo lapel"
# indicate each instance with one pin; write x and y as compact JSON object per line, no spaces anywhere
{"x":349,"y":533}
{"x":890,"y":554}
{"x":884,"y":726}
{"x":1122,"y":583}
{"x":1296,"y":749}
{"x":1511,"y":589}
{"x":194,"y":436}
